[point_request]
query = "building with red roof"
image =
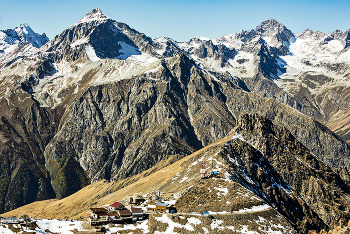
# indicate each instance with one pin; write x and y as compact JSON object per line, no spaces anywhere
{"x":116,"y":206}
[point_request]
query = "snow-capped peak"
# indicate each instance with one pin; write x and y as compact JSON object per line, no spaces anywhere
{"x":336,"y":35}
{"x":26,"y":34}
{"x":270,"y":25}
{"x":93,"y":15}
{"x":347,"y":35}
{"x":307,"y":33}
{"x":202,"y":38}
{"x":23,"y":34}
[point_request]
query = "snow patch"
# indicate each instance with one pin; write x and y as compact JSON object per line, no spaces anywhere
{"x":307,"y":54}
{"x":57,"y":226}
{"x":223,"y":190}
{"x":143,"y":225}
{"x":194,"y":221}
{"x":256,"y":208}
{"x":90,"y":51}
{"x":184,"y":179}
{"x":79,"y":42}
{"x":216,"y":224}
{"x":172,"y":224}
{"x":127,"y":51}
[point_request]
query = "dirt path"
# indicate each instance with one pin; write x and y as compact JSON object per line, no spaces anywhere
{"x":48,"y":202}
{"x":251,"y":211}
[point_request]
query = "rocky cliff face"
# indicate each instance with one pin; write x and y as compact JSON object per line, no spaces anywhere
{"x":117,"y":130}
{"x":315,"y":136}
{"x":122,"y":129}
{"x":25,"y":130}
{"x":268,"y":160}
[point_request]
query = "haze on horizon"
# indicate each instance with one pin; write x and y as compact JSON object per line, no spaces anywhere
{"x":180,"y":20}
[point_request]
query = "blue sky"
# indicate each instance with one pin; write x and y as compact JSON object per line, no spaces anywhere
{"x":180,"y":19}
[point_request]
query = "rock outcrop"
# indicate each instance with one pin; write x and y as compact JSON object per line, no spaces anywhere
{"x":25,"y":130}
{"x":268,"y":160}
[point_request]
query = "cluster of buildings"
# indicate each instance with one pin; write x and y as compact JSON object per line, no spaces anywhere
{"x":119,"y":213}
{"x":15,"y":220}
{"x":115,"y":213}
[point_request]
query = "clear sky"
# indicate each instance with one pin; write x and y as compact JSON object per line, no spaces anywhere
{"x":180,"y":19}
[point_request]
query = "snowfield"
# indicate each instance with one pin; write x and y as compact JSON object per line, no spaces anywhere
{"x":66,"y":227}
{"x":45,"y":226}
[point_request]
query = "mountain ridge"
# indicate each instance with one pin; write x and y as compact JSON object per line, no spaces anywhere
{"x":112,"y":108}
{"x":247,"y":178}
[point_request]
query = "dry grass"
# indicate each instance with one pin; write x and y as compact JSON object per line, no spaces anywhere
{"x":207,"y":196}
{"x":162,"y":177}
{"x":176,"y":177}
{"x":340,"y":124}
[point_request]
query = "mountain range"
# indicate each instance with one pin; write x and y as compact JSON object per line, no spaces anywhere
{"x":104,"y":101}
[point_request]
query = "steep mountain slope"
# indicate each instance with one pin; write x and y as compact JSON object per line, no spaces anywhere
{"x":317,"y":72}
{"x":274,"y":149}
{"x":255,"y":162}
{"x":117,"y":130}
{"x":316,"y":137}
{"x":25,"y":130}
{"x":103,"y":101}
{"x":132,"y":124}
{"x":308,"y":71}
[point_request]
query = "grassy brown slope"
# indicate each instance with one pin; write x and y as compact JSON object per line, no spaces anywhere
{"x":340,"y":125}
{"x":166,"y":176}
{"x":210,"y":195}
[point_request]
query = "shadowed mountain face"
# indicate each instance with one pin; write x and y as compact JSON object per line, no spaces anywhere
{"x":103,"y":101}
{"x":25,"y":130}
{"x":268,"y":160}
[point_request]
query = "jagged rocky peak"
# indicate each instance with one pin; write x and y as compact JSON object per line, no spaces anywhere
{"x":23,"y":34}
{"x":245,"y":35}
{"x":337,"y":35}
{"x":307,"y":33}
{"x":270,"y":25}
{"x":80,"y":32}
{"x":94,"y":37}
{"x":93,"y":15}
{"x":347,"y":35}
{"x":272,"y":28}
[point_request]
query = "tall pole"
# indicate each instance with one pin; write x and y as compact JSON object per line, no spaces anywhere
{"x":212,"y":166}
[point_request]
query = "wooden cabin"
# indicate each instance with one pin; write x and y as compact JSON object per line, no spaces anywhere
{"x":98,"y":216}
{"x":165,"y":208}
{"x":113,"y":216}
{"x":125,"y":214}
{"x":137,"y":213}
{"x":160,"y":208}
{"x":136,"y":199}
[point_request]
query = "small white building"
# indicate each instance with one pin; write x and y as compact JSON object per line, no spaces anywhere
{"x":151,"y":208}
{"x":10,"y":220}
